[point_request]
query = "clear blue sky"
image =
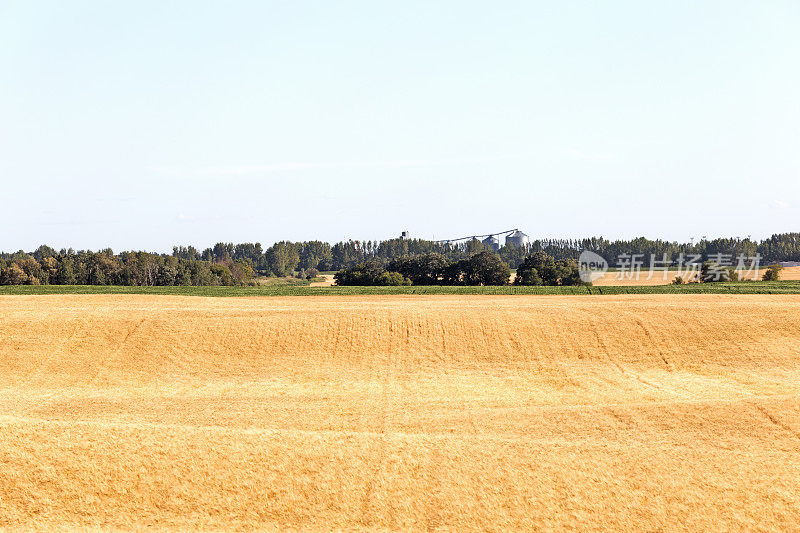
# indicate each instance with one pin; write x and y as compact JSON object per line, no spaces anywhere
{"x":139,"y":125}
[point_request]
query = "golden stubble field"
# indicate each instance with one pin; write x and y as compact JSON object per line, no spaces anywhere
{"x":672,"y":412}
{"x":644,"y":277}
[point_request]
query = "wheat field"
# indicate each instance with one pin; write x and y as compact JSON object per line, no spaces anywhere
{"x":671,"y":412}
{"x":664,"y":278}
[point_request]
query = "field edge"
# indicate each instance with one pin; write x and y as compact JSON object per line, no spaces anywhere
{"x":747,"y":287}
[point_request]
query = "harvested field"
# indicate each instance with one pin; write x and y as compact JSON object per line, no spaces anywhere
{"x":658,"y":278}
{"x":672,"y":412}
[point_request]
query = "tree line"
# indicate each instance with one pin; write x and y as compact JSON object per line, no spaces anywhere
{"x":482,"y":268}
{"x":238,"y":264}
{"x":45,"y":266}
{"x":777,"y":248}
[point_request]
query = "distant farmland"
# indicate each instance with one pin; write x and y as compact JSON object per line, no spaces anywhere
{"x":658,"y":278}
{"x":617,"y":279}
{"x":751,"y":287}
{"x":432,"y":412}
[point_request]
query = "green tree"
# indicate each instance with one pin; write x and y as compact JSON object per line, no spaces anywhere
{"x":315,"y":254}
{"x":540,"y":268}
{"x":534,"y":269}
{"x":223,"y":274}
{"x":366,"y":273}
{"x":369,"y":273}
{"x":346,"y":254}
{"x":426,"y":269}
{"x":43,"y":252}
{"x":64,"y":272}
{"x":513,"y":255}
{"x":282,"y":258}
{"x":483,"y":268}
{"x":14,"y":275}
{"x":241,"y":270}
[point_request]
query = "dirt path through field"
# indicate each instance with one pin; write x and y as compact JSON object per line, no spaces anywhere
{"x":329,"y":281}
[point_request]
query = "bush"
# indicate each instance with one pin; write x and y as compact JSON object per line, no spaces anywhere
{"x":773,"y":273}
{"x":392,"y":279}
{"x":711,"y":272}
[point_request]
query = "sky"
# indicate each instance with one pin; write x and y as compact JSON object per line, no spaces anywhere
{"x":143,"y":125}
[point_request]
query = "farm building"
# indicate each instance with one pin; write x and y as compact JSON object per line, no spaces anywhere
{"x":491,"y":242}
{"x":517,"y":239}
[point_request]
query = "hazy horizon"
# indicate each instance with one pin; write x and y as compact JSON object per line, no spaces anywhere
{"x":148,"y":125}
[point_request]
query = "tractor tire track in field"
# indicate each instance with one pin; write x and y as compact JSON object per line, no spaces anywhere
{"x":774,"y":420}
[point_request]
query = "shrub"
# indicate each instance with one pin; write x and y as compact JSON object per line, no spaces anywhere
{"x":773,"y":273}
{"x":392,"y":279}
{"x":711,"y":272}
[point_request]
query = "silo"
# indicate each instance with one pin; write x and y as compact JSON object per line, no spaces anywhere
{"x":517,"y":239}
{"x":491,"y":242}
